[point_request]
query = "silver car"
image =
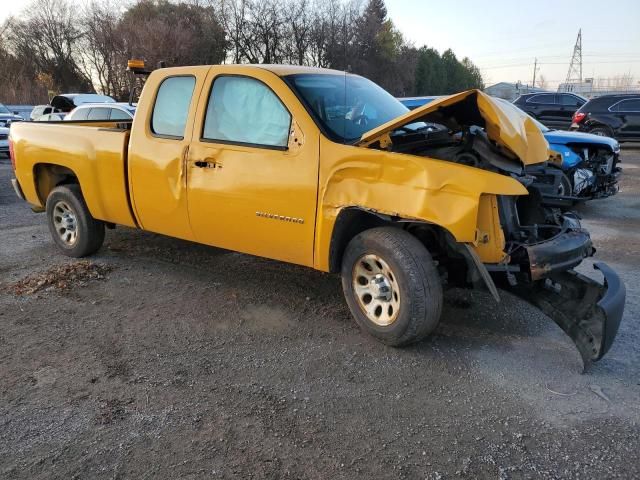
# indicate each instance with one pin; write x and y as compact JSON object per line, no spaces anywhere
{"x":4,"y":141}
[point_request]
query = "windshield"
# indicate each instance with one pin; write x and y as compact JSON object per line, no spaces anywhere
{"x":4,"y":109}
{"x":345,"y":106}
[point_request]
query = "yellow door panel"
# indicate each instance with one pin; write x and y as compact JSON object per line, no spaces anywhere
{"x":254,"y":198}
{"x":159,"y":148}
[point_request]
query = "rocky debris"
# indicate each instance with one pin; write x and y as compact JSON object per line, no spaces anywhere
{"x":61,"y":277}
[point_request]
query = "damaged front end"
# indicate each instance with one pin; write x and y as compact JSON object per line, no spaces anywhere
{"x":542,"y":243}
{"x":539,"y":269}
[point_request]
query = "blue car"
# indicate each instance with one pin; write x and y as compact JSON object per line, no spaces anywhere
{"x":588,"y":164}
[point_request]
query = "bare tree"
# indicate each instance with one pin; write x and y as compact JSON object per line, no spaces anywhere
{"x":48,"y":37}
{"x":104,"y":54}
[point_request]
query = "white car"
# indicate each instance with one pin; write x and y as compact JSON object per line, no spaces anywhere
{"x":102,"y":111}
{"x":51,"y":117}
{"x":4,"y":141}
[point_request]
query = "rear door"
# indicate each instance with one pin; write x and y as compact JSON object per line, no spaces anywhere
{"x":159,"y":146}
{"x":253,"y":167}
{"x":628,"y":113}
{"x":568,"y":105}
{"x":544,"y":108}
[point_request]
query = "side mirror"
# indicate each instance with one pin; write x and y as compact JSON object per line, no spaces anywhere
{"x":16,"y":113}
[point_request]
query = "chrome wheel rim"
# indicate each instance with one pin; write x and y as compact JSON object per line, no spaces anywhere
{"x":376,"y":289}
{"x":65,"y":223}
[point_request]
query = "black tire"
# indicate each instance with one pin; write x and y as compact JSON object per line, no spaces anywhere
{"x":413,"y":275}
{"x":89,"y":232}
{"x":602,"y":131}
{"x":566,"y":189}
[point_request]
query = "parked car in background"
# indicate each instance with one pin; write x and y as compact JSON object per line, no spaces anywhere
{"x":7,"y":116}
{"x":51,"y":117}
{"x":4,"y":141}
{"x":40,"y":110}
{"x":587,"y":167}
{"x":68,"y":101}
{"x":414,"y":102}
{"x":101,"y":111}
{"x":555,"y":110}
{"x":616,"y":116}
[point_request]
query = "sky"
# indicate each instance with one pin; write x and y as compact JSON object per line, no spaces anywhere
{"x":504,"y":37}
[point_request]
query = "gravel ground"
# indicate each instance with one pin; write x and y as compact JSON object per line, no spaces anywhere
{"x":160,"y":358}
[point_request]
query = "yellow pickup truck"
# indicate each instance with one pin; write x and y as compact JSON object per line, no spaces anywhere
{"x":325,"y":169}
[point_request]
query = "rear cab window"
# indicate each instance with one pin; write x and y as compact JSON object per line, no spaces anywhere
{"x":171,"y":107}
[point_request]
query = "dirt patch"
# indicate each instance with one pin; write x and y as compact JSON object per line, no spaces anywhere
{"x":61,"y":277}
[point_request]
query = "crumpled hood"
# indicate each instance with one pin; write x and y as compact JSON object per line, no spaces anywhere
{"x":562,"y":137}
{"x":505,"y":124}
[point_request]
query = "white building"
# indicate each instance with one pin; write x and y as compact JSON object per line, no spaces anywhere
{"x":511,"y":91}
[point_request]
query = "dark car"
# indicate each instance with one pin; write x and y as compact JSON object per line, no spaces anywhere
{"x":555,"y":110}
{"x":616,"y":116}
{"x":7,"y":116}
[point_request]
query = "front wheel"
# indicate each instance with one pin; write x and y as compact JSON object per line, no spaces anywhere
{"x":391,"y":285}
{"x":72,"y":227}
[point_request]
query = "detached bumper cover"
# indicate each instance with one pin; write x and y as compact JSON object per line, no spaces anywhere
{"x":588,"y":311}
{"x":559,"y":253}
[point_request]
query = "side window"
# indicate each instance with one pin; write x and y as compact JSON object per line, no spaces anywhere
{"x":117,"y":114}
{"x":547,"y":98}
{"x":631,"y":105}
{"x":245,"y":110}
{"x":172,"y":106}
{"x":81,"y":114}
{"x":570,"y":101}
{"x":98,"y":113}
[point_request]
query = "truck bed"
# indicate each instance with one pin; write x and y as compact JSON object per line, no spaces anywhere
{"x":96,"y":152}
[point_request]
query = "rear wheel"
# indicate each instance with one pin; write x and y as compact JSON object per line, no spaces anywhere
{"x":391,"y":285}
{"x":602,"y":131}
{"x":72,"y":227}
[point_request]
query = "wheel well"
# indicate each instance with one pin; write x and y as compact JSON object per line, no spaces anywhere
{"x":353,"y":220}
{"x":48,"y":176}
{"x":596,"y":124}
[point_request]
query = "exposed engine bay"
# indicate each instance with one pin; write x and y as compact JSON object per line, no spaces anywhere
{"x":543,"y":243}
{"x":540,"y":239}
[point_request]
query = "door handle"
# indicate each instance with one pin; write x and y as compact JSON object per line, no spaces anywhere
{"x":207,"y":163}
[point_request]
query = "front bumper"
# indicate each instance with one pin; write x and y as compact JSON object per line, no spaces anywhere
{"x":589,"y":312}
{"x":560,"y":253}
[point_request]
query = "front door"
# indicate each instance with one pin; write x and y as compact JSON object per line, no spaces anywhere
{"x":253,"y":168}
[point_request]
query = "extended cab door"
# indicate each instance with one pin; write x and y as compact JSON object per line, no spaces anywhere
{"x":253,"y":167}
{"x":161,"y":133}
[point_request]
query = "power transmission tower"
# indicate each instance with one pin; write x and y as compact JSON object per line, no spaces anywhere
{"x":574,"y":75}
